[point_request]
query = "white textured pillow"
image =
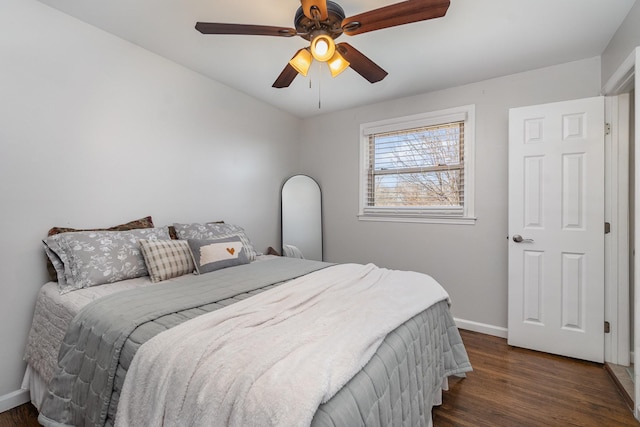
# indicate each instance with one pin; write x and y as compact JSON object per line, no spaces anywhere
{"x":212,"y":255}
{"x":166,"y":258}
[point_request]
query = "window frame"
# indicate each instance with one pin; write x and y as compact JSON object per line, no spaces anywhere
{"x":439,"y":215}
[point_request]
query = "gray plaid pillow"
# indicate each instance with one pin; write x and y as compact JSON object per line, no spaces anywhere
{"x":166,"y":258}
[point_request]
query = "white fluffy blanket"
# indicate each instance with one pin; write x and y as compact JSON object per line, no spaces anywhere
{"x":272,"y":359}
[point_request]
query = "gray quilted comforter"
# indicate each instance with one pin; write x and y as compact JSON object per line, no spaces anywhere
{"x":397,"y":387}
{"x":402,"y":382}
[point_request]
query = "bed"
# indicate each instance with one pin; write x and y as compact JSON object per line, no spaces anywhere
{"x":144,"y":339}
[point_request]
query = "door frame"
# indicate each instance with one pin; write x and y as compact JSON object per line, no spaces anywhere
{"x":616,"y":243}
{"x":624,"y":79}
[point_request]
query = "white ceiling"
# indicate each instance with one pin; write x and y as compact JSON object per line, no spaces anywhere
{"x":476,"y":40}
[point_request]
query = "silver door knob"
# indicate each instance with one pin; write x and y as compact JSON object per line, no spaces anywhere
{"x":519,"y":239}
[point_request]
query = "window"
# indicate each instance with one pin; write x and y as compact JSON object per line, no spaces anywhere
{"x":419,"y":168}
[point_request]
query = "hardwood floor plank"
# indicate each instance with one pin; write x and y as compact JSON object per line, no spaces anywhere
{"x":509,"y":387}
{"x":23,"y":416}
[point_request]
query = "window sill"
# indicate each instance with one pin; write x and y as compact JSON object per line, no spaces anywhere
{"x":422,"y":219}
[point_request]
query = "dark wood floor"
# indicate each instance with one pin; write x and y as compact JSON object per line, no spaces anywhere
{"x":509,"y":387}
{"x":515,"y":387}
{"x":22,"y":416}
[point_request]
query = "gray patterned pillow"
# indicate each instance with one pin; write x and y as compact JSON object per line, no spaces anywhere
{"x":91,"y":258}
{"x":212,"y":255}
{"x":211,"y":231}
{"x":146,"y":222}
{"x":166,"y":258}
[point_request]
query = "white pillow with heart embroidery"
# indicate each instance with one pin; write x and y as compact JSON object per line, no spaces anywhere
{"x":214,"y":254}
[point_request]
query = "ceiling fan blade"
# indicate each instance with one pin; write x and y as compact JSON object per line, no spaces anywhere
{"x":361,"y":64}
{"x":285,"y":78}
{"x":396,"y":14}
{"x":251,"y":30}
{"x":321,"y":5}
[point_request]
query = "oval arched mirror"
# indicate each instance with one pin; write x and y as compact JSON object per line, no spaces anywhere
{"x":302,"y":218}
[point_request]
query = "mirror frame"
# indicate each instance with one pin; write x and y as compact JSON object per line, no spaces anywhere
{"x":282,"y":225}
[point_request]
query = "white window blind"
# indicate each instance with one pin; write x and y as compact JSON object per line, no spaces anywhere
{"x":416,"y":168}
{"x":422,"y":167}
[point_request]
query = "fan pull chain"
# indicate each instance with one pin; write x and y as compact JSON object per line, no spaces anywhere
{"x":319,"y":86}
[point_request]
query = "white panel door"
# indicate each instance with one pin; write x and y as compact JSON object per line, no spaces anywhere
{"x":556,"y":228}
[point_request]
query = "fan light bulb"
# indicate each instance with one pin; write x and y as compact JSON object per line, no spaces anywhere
{"x":323,"y":47}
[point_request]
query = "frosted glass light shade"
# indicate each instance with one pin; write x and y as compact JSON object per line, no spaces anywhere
{"x":337,"y":64}
{"x":302,"y":61}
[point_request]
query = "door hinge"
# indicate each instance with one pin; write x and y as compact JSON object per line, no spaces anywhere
{"x":607,"y":128}
{"x":607,"y":327}
{"x":607,"y":227}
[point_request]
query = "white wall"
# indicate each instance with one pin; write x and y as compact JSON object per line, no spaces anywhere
{"x":624,"y":41}
{"x":469,"y":261}
{"x":95,"y":131}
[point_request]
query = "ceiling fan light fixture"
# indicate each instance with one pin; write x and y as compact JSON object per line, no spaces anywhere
{"x":302,"y":61}
{"x":321,"y":21}
{"x":337,"y":64}
{"x":322,"y":47}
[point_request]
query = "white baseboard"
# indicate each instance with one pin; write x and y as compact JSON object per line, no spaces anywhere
{"x":13,"y":399}
{"x":483,"y":328}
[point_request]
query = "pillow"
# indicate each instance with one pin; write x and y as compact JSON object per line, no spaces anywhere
{"x":211,"y":231}
{"x":172,"y":230}
{"x":91,"y":258}
{"x":215,"y":254}
{"x":166,"y":258}
{"x":146,"y":222}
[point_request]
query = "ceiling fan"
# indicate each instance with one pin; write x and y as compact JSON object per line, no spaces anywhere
{"x":322,"y":21}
